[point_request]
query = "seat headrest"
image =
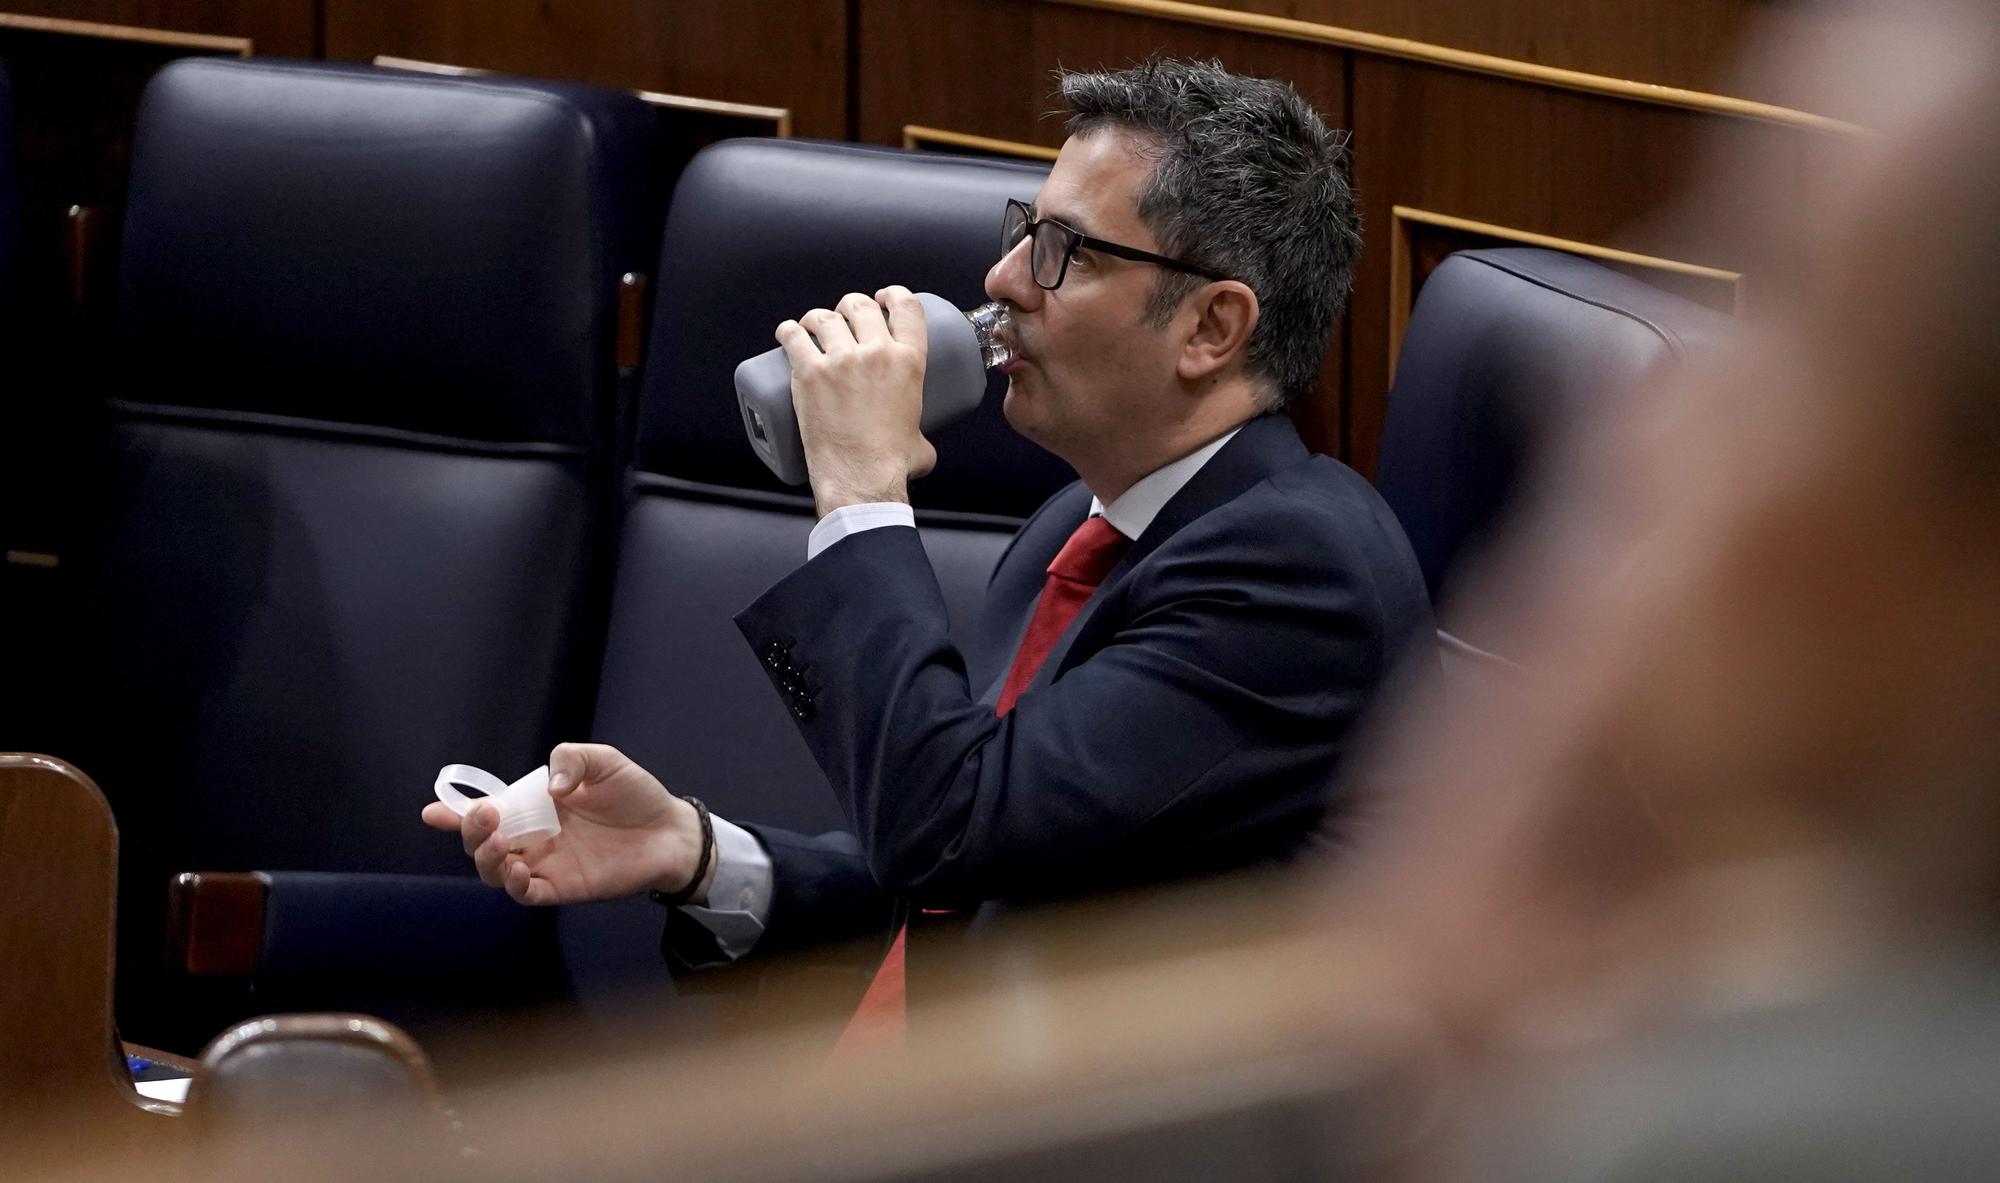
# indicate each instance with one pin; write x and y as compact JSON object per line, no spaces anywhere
{"x":437,"y":255}
{"x":1503,"y":348}
{"x":762,"y":230}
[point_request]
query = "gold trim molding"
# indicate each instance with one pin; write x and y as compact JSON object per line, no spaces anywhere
{"x":386,"y":61}
{"x":918,"y":136}
{"x":240,"y":46}
{"x":1290,"y":29}
{"x":1402,"y":217}
{"x":780,"y":118}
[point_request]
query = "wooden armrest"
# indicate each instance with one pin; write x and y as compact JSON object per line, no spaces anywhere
{"x":631,"y":345}
{"x":215,"y":924}
{"x":84,"y":236}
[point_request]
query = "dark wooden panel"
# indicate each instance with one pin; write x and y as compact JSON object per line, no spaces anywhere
{"x":1693,"y":44}
{"x":76,"y":95}
{"x":985,"y":68}
{"x":777,"y":53}
{"x":1600,"y":171}
{"x":285,"y":28}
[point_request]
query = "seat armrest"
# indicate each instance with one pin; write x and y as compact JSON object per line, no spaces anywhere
{"x":215,"y":922}
{"x":350,"y":926}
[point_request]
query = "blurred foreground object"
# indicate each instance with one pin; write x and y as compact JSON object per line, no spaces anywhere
{"x":1754,"y":764}
{"x":65,"y":1086}
{"x":1112,"y":1041}
{"x":290,"y":1066}
{"x":1891,"y":1081}
{"x":61,"y":1072}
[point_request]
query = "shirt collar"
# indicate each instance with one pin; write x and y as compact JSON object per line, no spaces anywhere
{"x":1136,"y":507}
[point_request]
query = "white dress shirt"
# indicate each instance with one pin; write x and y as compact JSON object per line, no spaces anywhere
{"x":739,"y":897}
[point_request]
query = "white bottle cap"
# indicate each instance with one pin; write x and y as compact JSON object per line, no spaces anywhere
{"x":527,"y":812}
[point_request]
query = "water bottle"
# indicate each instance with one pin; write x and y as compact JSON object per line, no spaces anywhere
{"x":963,"y":346}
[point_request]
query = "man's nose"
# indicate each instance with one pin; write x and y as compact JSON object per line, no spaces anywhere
{"x":1009,"y":278}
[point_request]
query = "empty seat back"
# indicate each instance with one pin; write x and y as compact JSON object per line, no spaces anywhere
{"x":356,"y":463}
{"x":1504,"y":349}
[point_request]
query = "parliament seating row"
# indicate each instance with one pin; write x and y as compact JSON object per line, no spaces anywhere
{"x":387,"y":484}
{"x":376,"y":496}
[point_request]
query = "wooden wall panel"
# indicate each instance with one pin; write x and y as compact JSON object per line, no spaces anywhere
{"x":1602,"y":171}
{"x":1682,"y":43}
{"x":286,"y":28}
{"x":76,"y":95}
{"x":985,"y":67}
{"x":989,"y":65}
{"x":776,"y":53}
{"x":1524,"y":156}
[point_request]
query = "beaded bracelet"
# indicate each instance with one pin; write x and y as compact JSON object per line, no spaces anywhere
{"x":676,"y":899}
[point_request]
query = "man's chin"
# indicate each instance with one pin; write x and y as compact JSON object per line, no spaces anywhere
{"x":1018,"y":407}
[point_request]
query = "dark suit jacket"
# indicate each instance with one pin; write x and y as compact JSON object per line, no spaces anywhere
{"x":1189,"y":721}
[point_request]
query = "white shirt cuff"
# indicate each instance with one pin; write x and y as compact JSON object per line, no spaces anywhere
{"x":739,"y":897}
{"x":853,"y":519}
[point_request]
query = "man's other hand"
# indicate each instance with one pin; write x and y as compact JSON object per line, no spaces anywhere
{"x":858,"y":387}
{"x":622,"y":833}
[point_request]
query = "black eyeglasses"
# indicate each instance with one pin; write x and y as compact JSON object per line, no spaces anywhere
{"x":1056,"y":244}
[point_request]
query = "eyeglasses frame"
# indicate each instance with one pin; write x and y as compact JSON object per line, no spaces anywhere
{"x":1081,"y":241}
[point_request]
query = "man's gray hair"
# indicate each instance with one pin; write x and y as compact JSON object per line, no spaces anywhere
{"x":1248,"y":182}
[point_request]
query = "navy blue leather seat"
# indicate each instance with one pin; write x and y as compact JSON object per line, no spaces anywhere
{"x":1505,"y":349}
{"x":358,"y":482}
{"x":759,"y":231}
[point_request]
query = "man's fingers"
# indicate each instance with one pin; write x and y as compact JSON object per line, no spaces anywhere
{"x":439,"y":816}
{"x":476,"y":827}
{"x":523,"y":887}
{"x":573,"y":764}
{"x":488,"y":859}
{"x":514,"y":878}
{"x":830,"y":329}
{"x":799,"y":348}
{"x":533,"y":890}
{"x":906,"y":318}
{"x":864,"y":318}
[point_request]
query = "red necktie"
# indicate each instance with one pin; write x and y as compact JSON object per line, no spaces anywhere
{"x":1079,"y":567}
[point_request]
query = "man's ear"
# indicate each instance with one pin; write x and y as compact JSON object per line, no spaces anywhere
{"x":1225,"y":314}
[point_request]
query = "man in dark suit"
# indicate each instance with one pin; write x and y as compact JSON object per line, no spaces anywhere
{"x":1173,"y":650}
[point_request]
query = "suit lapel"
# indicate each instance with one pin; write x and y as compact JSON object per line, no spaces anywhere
{"x":1266,"y":445}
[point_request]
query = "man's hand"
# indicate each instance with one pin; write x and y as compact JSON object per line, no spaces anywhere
{"x":859,"y":393}
{"x":622,"y":833}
